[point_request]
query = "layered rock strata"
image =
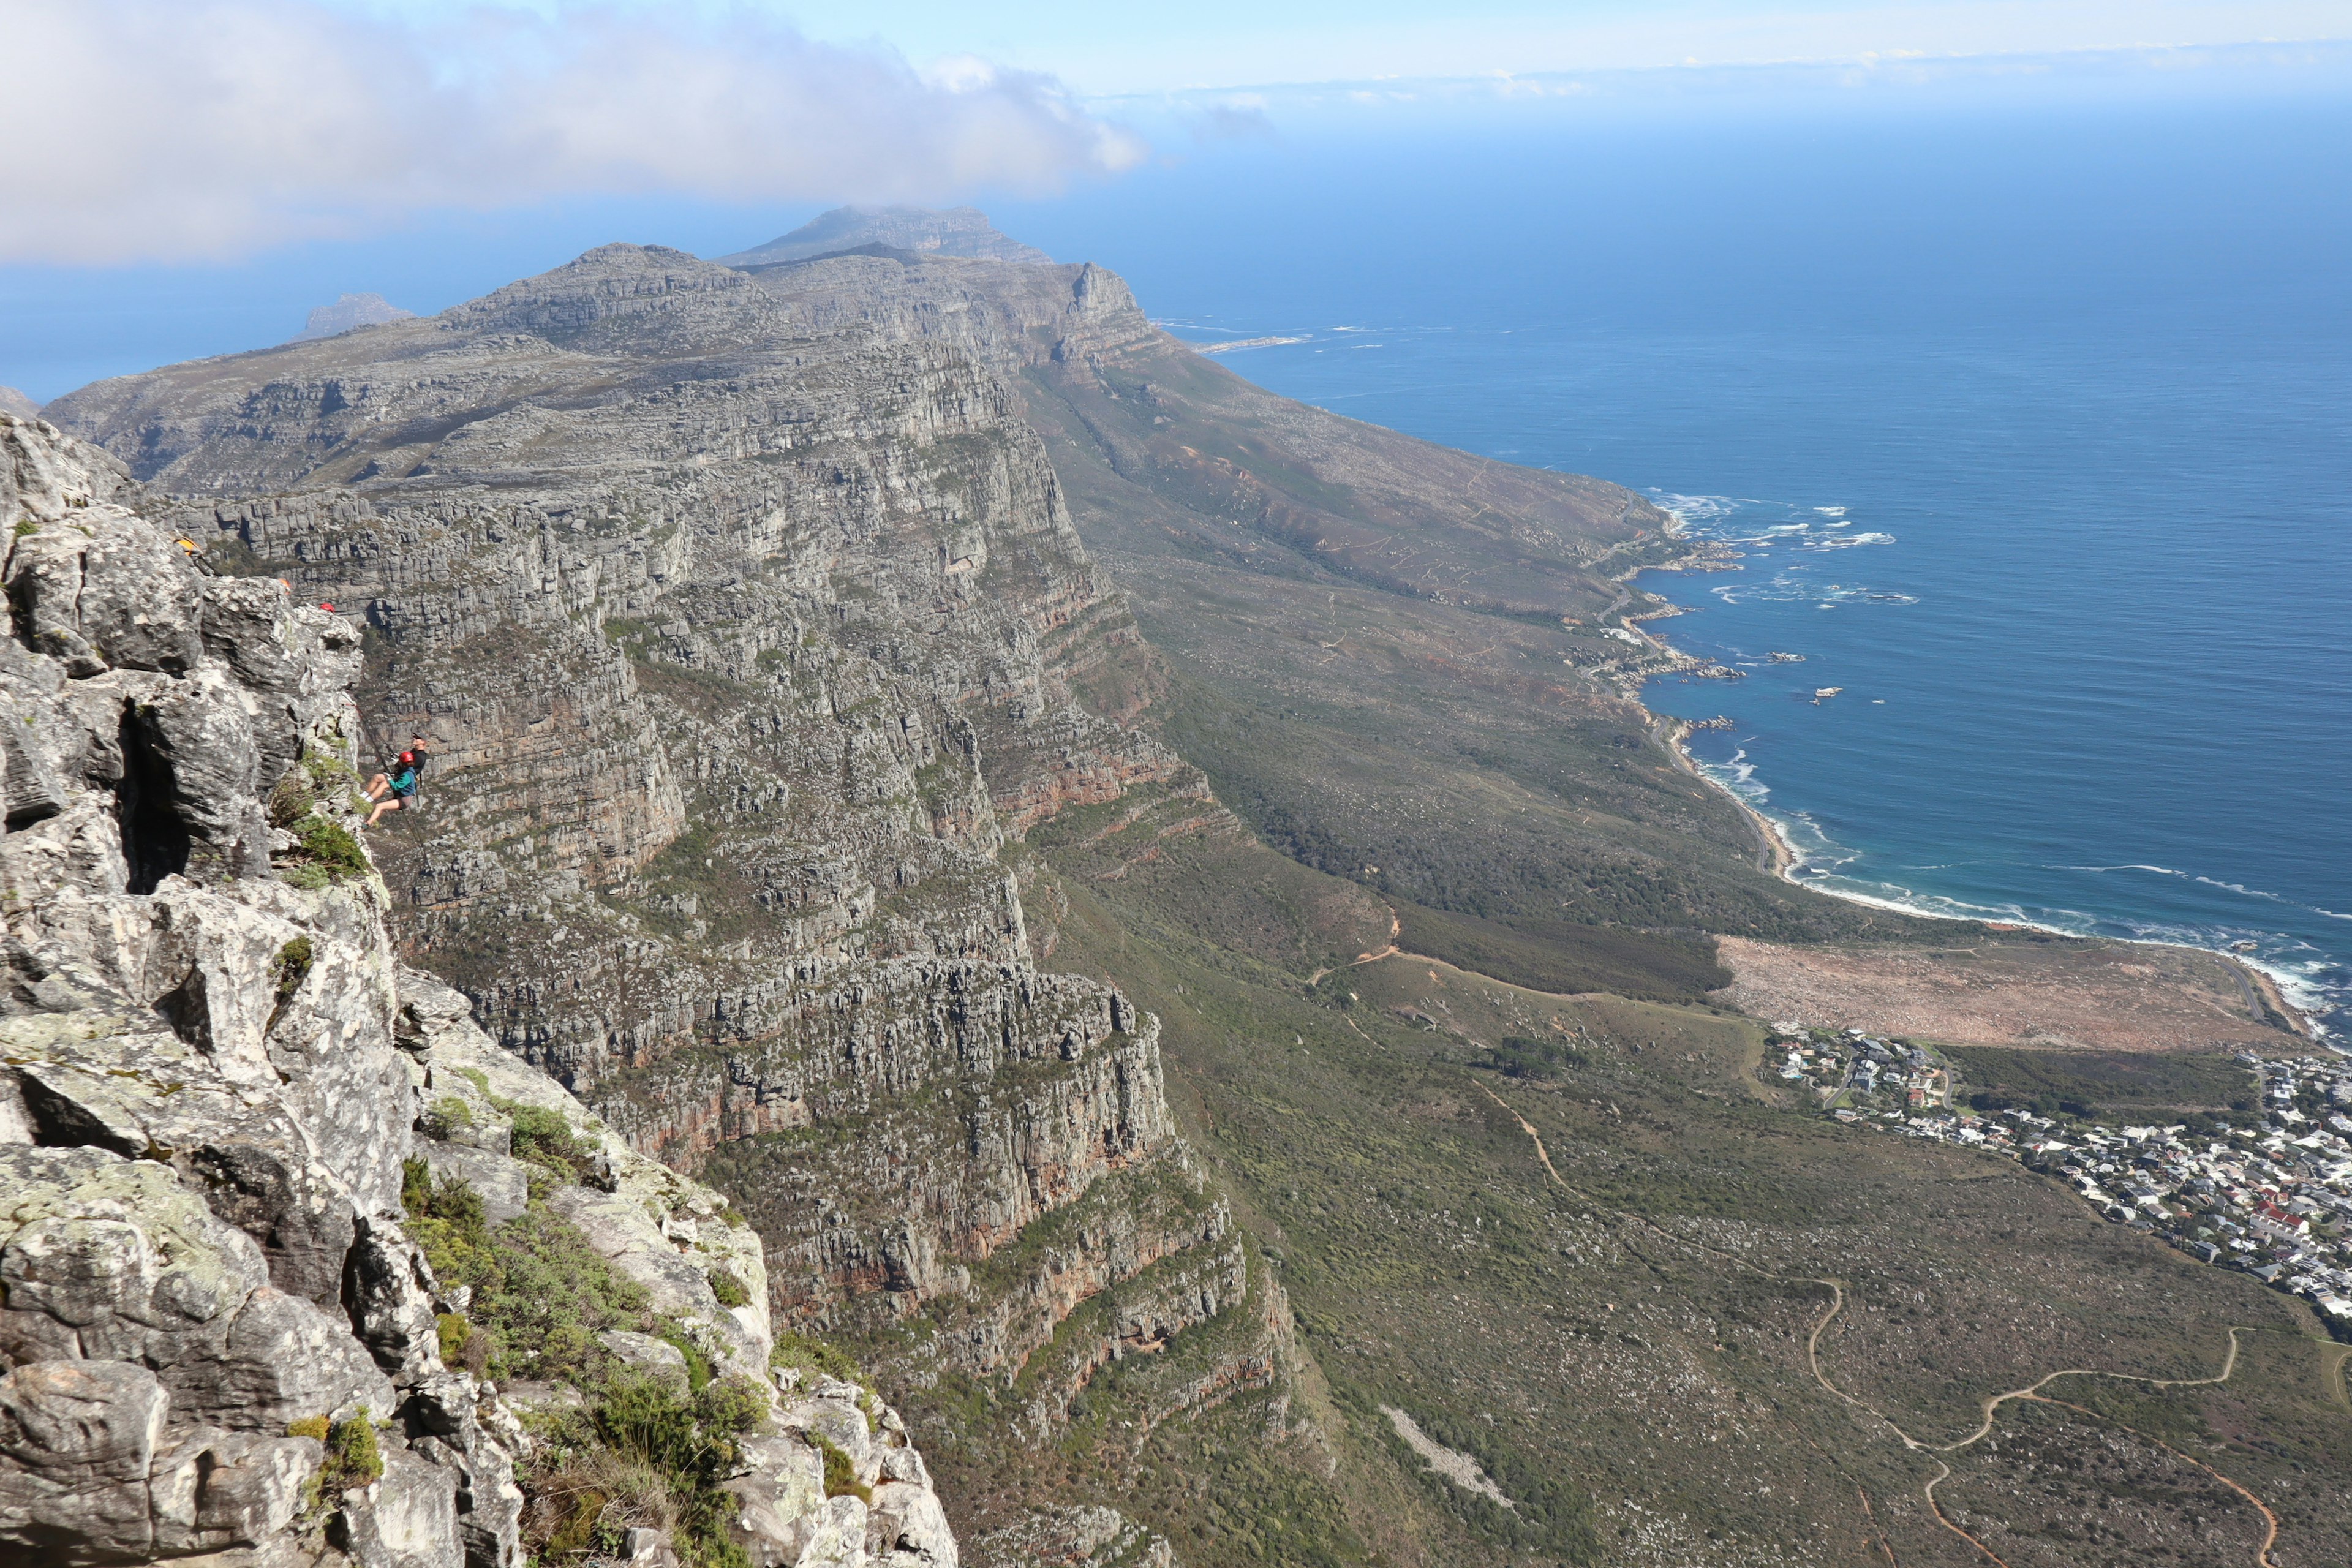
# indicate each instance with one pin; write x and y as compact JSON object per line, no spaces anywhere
{"x":746,"y":621}
{"x":218,"y":1337}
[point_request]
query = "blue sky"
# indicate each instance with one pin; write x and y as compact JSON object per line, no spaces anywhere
{"x":1118,"y":51}
{"x":193,"y":130}
{"x":187,"y":177}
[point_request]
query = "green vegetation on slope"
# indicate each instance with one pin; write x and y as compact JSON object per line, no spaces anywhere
{"x":2121,"y":1082}
{"x":1634,"y":1333}
{"x":1556,"y":955}
{"x":639,"y":1453}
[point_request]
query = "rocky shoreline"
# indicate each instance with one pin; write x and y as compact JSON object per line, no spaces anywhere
{"x":1782,"y":859}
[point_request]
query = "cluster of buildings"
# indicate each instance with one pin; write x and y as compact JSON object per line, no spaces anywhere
{"x":1855,"y":1069}
{"x":2274,"y":1199}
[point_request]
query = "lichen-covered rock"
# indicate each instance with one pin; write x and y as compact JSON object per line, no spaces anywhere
{"x":407,"y":1518}
{"x":203,"y":1110}
{"x":882,"y":1511}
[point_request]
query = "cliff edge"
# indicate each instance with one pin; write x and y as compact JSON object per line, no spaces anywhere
{"x":296,"y":1266}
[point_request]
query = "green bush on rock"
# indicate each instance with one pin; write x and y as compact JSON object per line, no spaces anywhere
{"x":642,"y":1453}
{"x":840,"y":1474}
{"x":543,"y":1138}
{"x":327,"y":854}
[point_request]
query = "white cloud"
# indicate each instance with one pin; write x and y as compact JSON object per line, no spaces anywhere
{"x":173,"y":130}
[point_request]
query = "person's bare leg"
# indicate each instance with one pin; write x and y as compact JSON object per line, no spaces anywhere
{"x":381,"y":807}
{"x":377,"y":785}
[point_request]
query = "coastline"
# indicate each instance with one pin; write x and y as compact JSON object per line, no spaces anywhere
{"x":1781,"y":858}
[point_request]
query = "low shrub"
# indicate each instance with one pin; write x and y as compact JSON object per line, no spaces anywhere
{"x":1531,"y":1056}
{"x":446,"y":1117}
{"x":294,"y":961}
{"x":290,"y":800}
{"x":840,"y":1473}
{"x":800,"y":1352}
{"x":353,"y":1457}
{"x":327,"y":854}
{"x":541,"y":1294}
{"x":730,"y":1290}
{"x":543,"y":1138}
{"x":690,"y":1444}
{"x":325,"y":769}
{"x":590,"y":1501}
{"x":698,"y":1370}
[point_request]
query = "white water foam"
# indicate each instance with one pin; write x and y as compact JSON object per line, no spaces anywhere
{"x":2300,"y":971}
{"x":2313,"y":984}
{"x":2164,"y":870}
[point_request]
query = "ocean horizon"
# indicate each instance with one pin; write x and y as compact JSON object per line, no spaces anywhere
{"x":2046,"y":481}
{"x":2047,"y":711}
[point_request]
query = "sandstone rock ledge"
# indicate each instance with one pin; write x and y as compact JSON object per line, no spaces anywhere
{"x":221,"y":1338}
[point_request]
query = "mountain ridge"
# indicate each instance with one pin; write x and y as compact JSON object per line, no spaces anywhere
{"x":958,"y":231}
{"x":923,"y":752}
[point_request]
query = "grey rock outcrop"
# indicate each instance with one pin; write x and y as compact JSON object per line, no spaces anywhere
{"x":1092,"y":1537}
{"x":202,"y":1112}
{"x":212,"y":1071}
{"x":958,"y":231}
{"x":784,"y":1516}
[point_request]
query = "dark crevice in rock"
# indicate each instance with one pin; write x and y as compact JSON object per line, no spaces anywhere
{"x":59,"y":1124}
{"x":249,"y":1187}
{"x":185,"y":1006}
{"x":155,"y":839}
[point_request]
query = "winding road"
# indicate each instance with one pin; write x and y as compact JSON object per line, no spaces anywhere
{"x":1992,"y":1403}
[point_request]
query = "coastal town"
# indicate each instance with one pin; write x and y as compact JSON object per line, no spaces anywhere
{"x":2267,"y":1191}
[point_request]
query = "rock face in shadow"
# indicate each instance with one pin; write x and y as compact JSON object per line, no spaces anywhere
{"x":746,"y":622}
{"x":218,"y":1334}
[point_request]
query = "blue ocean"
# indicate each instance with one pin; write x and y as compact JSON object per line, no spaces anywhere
{"x":2031,"y":439}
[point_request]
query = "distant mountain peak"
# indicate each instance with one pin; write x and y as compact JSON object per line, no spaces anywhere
{"x":14,"y":402}
{"x":959,"y":231}
{"x":348,"y":311}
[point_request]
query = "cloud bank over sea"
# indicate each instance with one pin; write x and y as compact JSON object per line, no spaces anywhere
{"x":170,"y":131}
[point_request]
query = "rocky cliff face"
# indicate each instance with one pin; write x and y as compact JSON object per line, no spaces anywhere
{"x":746,"y":621}
{"x":235,"y":1135}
